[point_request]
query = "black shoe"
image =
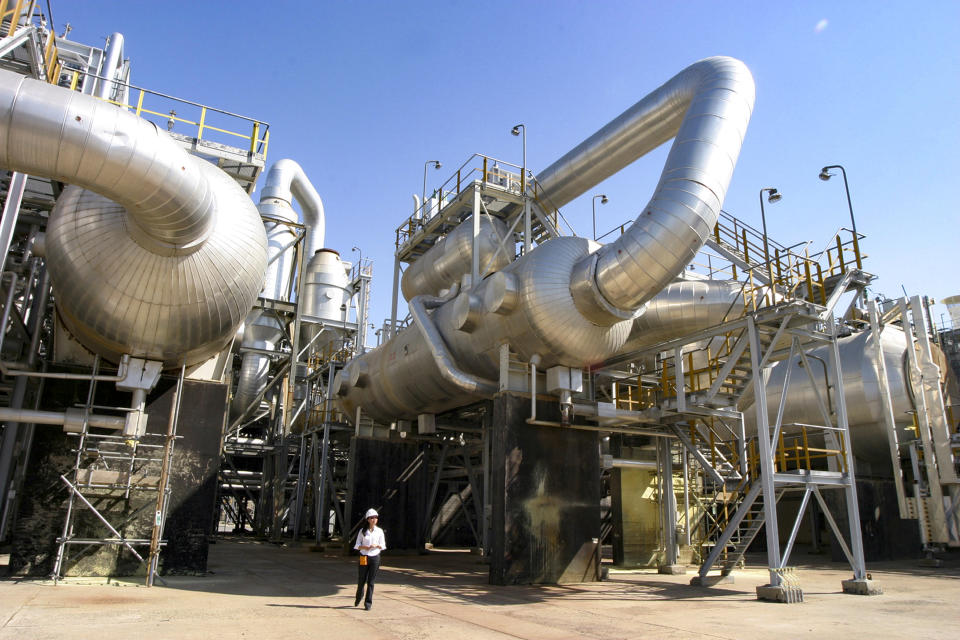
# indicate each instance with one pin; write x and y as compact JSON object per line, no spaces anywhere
{"x":368,"y":606}
{"x":356,"y":602}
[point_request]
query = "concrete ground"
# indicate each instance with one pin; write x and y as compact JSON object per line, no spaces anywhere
{"x":263,"y":591}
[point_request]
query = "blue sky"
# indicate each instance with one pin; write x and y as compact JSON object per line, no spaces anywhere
{"x":361,"y":94}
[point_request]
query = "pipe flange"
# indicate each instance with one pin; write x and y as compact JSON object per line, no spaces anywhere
{"x":588,"y":298}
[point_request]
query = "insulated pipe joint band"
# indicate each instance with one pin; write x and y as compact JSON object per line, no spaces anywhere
{"x":589,"y":299}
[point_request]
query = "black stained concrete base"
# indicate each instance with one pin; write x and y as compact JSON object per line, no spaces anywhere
{"x":545,"y":497}
{"x":190,"y":513}
{"x":885,"y":535}
{"x":380,"y":478}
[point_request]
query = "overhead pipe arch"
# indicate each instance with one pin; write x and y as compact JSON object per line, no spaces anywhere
{"x":570,"y":301}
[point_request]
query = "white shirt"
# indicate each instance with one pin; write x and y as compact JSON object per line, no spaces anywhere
{"x":367,"y":538}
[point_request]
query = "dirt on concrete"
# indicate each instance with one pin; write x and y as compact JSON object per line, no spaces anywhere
{"x":262,"y":590}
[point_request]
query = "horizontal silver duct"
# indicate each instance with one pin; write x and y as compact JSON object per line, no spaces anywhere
{"x":685,"y":307}
{"x":163,"y":256}
{"x":548,"y":303}
{"x":445,"y":263}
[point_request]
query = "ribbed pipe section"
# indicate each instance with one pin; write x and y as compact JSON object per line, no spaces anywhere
{"x":166,"y":261}
{"x":445,"y":263}
{"x":706,"y":109}
{"x":56,"y":133}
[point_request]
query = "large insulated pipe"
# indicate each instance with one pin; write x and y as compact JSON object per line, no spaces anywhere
{"x":706,"y":108}
{"x":108,"y":69}
{"x":685,"y":307}
{"x":548,"y":302}
{"x":165,"y":259}
{"x":445,"y":263}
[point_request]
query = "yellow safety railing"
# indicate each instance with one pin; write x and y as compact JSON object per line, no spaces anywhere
{"x":10,"y":12}
{"x":489,"y":171}
{"x":633,"y":395}
{"x":791,"y":274}
{"x":255,"y":139}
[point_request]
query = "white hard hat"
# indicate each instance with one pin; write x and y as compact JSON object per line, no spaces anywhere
{"x":371,"y":513}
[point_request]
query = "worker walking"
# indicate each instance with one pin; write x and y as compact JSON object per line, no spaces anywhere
{"x":370,"y":542}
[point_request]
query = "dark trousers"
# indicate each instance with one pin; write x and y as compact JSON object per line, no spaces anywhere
{"x":368,"y":574}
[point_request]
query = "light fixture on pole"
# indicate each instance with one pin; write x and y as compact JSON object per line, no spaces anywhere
{"x":603,"y":200}
{"x":772,"y":196}
{"x":523,"y":171}
{"x":359,"y":257}
{"x":826,"y":175}
{"x":436,"y":165}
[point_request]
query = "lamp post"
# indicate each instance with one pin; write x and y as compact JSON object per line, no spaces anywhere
{"x":826,"y":175}
{"x":359,"y":258}
{"x":772,"y":196}
{"x":523,"y":171}
{"x":603,"y":200}
{"x":436,"y":165}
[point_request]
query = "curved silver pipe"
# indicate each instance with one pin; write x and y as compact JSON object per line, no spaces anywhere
{"x":112,"y":57}
{"x":548,"y":302}
{"x":450,"y":258}
{"x":416,"y":206}
{"x":287,"y":181}
{"x":164,"y":263}
{"x":464,"y":381}
{"x":705,"y":108}
{"x":50,"y":131}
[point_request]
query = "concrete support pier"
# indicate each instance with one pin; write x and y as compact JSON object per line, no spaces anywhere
{"x":545,"y":484}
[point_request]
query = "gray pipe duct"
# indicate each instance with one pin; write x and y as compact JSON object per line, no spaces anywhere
{"x":566,"y":301}
{"x":706,"y":107}
{"x":166,"y":258}
{"x":73,"y":418}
